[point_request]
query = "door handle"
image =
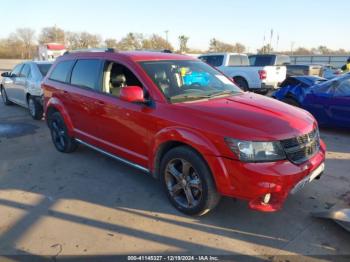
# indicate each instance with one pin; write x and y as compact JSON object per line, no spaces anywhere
{"x":65,"y":92}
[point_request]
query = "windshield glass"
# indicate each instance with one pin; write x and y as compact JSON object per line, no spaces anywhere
{"x":186,"y":80}
{"x":44,"y":68}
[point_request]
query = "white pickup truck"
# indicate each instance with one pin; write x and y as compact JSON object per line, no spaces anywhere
{"x":257,"y":73}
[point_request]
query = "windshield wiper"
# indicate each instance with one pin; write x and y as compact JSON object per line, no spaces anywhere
{"x":221,"y":93}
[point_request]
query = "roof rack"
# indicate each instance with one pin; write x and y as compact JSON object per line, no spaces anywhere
{"x":91,"y":50}
{"x":155,"y":50}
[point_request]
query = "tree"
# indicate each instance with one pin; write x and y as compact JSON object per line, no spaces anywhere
{"x":218,"y":46}
{"x":87,"y":40}
{"x":239,"y":48}
{"x":302,"y":51}
{"x":26,"y":36}
{"x":265,"y":49}
{"x":131,"y":41}
{"x":82,"y":40}
{"x":111,"y":43}
{"x":156,"y":42}
{"x":323,"y":50}
{"x":51,"y":35}
{"x":183,"y":43}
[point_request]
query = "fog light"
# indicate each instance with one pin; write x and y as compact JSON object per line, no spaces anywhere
{"x":267,"y":198}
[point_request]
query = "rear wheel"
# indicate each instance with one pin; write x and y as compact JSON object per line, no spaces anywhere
{"x":60,"y":138}
{"x":35,"y":109}
{"x":291,"y":101}
{"x":241,"y":82}
{"x":188,"y":182}
{"x":5,"y":97}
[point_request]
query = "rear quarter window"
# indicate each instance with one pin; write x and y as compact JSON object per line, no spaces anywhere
{"x":44,"y":68}
{"x":213,"y":60}
{"x":61,"y":71}
{"x":86,"y":73}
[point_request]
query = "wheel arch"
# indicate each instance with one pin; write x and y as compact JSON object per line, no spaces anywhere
{"x":54,"y":105}
{"x":170,"y":138}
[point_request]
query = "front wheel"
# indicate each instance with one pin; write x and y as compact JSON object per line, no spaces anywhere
{"x":188,"y":182}
{"x":35,"y":109}
{"x":60,"y":138}
{"x":4,"y":97}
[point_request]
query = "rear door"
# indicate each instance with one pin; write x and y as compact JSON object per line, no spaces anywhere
{"x":84,"y":107}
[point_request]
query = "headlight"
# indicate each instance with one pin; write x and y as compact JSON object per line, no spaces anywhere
{"x":249,"y":151}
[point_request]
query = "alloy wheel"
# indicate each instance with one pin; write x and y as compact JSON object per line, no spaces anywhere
{"x":183,"y":183}
{"x":58,"y":134}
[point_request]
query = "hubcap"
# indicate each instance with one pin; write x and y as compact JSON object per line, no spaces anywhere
{"x":183,"y":183}
{"x":58,"y":134}
{"x":31,"y":106}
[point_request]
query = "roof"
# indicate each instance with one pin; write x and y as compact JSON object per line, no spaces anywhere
{"x":222,"y":53}
{"x":133,"y":55}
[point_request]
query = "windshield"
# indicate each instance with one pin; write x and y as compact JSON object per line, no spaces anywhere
{"x":186,"y":80}
{"x":44,"y":68}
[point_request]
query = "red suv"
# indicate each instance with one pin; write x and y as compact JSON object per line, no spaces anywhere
{"x":183,"y":122}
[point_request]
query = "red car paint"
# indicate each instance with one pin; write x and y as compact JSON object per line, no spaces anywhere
{"x":142,"y":130}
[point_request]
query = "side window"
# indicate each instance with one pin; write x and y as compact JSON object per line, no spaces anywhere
{"x":343,"y":89}
{"x":86,"y":73}
{"x":17,"y":69}
{"x":117,"y":76}
{"x":61,"y":71}
{"x":235,"y":60}
{"x":25,"y":71}
{"x":213,"y":60}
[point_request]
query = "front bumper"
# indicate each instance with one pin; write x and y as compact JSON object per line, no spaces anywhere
{"x":252,"y":181}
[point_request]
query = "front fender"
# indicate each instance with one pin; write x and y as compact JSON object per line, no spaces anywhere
{"x":197,"y":141}
{"x":55,"y":104}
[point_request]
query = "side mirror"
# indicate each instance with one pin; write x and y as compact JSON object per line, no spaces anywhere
{"x":6,"y":74}
{"x":132,"y":94}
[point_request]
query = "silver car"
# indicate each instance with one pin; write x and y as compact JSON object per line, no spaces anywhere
{"x":22,"y":86}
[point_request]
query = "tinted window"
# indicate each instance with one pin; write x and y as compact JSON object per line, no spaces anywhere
{"x":238,"y":60}
{"x":17,"y":69}
{"x":262,"y":60}
{"x":25,"y":71}
{"x":213,"y":60}
{"x":61,"y":71}
{"x":86,"y":73}
{"x":44,"y":68}
{"x":343,"y":89}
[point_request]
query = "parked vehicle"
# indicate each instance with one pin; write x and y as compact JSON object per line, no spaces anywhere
{"x":22,"y":86}
{"x":255,"y":77}
{"x":328,"y":101}
{"x":201,"y":139}
{"x":307,"y":70}
{"x":331,"y":72}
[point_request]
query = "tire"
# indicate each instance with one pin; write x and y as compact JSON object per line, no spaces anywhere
{"x":241,"y":82}
{"x":35,"y":109}
{"x":291,"y":101}
{"x":60,"y":138}
{"x":4,"y":97}
{"x":191,"y":190}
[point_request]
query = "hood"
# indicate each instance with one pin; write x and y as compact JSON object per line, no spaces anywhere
{"x":250,"y":116}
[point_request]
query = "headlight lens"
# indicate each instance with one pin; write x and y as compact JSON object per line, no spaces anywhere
{"x":249,"y":151}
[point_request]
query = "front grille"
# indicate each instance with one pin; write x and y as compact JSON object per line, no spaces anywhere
{"x":301,"y":148}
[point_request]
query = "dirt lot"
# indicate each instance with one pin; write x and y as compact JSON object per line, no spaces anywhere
{"x":85,"y":203}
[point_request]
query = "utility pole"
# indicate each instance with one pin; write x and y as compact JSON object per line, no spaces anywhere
{"x":291,"y":47}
